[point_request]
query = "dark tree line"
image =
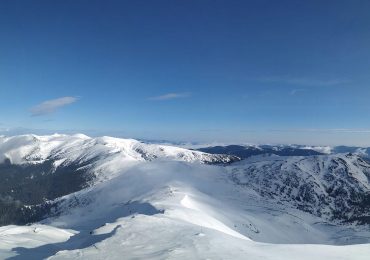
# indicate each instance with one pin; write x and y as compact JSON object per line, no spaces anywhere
{"x":25,"y":189}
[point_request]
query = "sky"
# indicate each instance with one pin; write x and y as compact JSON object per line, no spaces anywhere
{"x":208,"y":70}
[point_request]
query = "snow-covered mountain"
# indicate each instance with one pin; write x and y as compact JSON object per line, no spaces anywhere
{"x":35,"y":149}
{"x":144,"y":201}
{"x":36,"y":169}
{"x":248,"y":150}
{"x":335,"y":187}
{"x":245,"y":151}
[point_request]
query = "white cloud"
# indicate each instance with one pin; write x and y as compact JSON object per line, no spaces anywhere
{"x":293,"y":92}
{"x":169,"y":96}
{"x":50,"y":106}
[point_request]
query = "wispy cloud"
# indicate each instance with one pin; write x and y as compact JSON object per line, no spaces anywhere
{"x":305,"y":81}
{"x":50,"y":106}
{"x":296,"y":91}
{"x":169,"y":96}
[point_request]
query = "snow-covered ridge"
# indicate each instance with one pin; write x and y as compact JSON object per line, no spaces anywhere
{"x":181,"y":210}
{"x":66,"y":149}
{"x":163,"y":202}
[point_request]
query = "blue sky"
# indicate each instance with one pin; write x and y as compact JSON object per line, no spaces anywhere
{"x":228,"y":71}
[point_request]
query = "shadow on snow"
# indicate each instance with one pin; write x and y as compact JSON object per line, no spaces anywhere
{"x":85,"y":238}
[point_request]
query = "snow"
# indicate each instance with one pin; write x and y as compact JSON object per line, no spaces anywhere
{"x":110,"y":152}
{"x":320,"y":149}
{"x":201,"y":218}
{"x":151,"y":237}
{"x":30,"y":237}
{"x":162,"y":202}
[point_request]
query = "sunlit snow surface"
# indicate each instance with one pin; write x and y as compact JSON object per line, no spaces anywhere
{"x":170,"y":209}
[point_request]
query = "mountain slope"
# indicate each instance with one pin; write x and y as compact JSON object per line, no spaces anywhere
{"x":36,"y":169}
{"x":163,"y":202}
{"x":36,"y":149}
{"x":335,"y":187}
{"x":178,"y":210}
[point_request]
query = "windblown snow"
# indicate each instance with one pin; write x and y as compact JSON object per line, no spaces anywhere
{"x":152,"y":201}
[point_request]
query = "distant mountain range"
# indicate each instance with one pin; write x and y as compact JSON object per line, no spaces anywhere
{"x":245,"y":151}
